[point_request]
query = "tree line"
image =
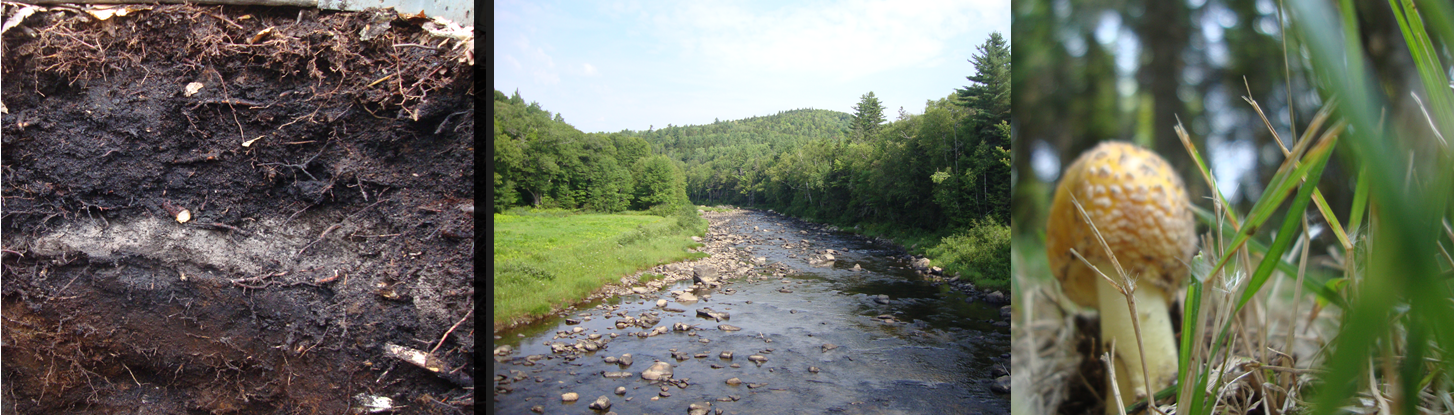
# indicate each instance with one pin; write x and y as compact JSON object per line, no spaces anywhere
{"x":542,"y":161}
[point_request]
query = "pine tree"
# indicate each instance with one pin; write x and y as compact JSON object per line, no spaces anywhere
{"x":868,"y":116}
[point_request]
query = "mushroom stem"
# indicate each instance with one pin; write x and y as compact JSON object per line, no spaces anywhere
{"x":1156,"y":336}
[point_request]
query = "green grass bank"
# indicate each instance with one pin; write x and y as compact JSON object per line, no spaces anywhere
{"x":548,"y":259}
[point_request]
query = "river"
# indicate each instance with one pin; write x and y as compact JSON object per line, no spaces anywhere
{"x":823,"y":337}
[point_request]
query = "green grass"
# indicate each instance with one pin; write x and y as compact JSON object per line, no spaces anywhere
{"x":546,"y":260}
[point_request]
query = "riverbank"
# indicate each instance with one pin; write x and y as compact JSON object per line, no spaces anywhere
{"x":979,"y":256}
{"x":546,"y":260}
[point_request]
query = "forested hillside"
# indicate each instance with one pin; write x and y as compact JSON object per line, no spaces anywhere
{"x":943,"y":169}
{"x":541,"y":161}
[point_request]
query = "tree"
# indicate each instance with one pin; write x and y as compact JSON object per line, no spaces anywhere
{"x":990,"y":94}
{"x":658,"y":181}
{"x":867,"y":116}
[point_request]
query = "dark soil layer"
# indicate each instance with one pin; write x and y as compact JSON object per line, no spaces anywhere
{"x":330,"y":184}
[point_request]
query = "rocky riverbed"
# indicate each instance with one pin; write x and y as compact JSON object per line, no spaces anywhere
{"x":785,"y":316}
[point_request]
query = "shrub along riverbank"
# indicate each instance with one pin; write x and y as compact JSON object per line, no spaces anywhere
{"x":979,"y":254}
{"x":546,"y":259}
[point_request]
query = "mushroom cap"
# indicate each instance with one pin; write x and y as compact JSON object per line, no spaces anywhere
{"x":1140,"y":207}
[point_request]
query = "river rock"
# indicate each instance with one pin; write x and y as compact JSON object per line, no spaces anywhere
{"x":813,"y":369}
{"x":699,"y":408}
{"x":828,"y":257}
{"x":734,"y":381}
{"x":625,"y":359}
{"x":881,"y":299}
{"x":921,"y":264}
{"x":726,"y":355}
{"x":760,"y":359}
{"x":680,"y":356}
{"x":658,"y":371}
{"x":601,"y":404}
{"x":713,"y":314}
{"x":706,"y":275}
{"x":1001,"y":385}
{"x":857,"y":268}
{"x":936,"y":270}
{"x":621,"y":390}
{"x":661,"y":303}
{"x":615,"y":375}
{"x":570,"y":397}
{"x":829,"y":346}
{"x":503,"y":350}
{"x":686,"y":298}
{"x":638,"y":290}
{"x":760,"y":260}
{"x":611,"y":359}
{"x":680,"y":326}
{"x":996,"y":298}
{"x":728,"y":327}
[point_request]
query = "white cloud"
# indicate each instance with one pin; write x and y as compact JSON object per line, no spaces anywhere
{"x":853,"y":40}
{"x":590,"y":70}
{"x":513,"y":61}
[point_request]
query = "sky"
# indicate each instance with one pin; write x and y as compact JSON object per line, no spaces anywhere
{"x":606,"y":66}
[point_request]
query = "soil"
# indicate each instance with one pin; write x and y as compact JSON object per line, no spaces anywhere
{"x":327,"y":168}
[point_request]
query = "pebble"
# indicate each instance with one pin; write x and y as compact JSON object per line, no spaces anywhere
{"x":661,"y":303}
{"x":829,"y":346}
{"x":760,"y":359}
{"x":620,"y":390}
{"x":728,"y":327}
{"x":570,"y":397}
{"x":726,"y":355}
{"x":734,"y":381}
{"x":699,"y":408}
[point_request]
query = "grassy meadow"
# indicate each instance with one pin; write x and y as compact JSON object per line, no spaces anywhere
{"x":548,"y":259}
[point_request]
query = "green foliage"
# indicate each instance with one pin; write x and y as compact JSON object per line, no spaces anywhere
{"x":867,"y":116}
{"x":980,"y":254}
{"x":544,"y":162}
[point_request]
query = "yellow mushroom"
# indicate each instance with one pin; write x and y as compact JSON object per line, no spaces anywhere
{"x":1140,"y":207}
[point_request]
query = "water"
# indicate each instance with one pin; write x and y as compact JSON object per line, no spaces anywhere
{"x":936,"y":357}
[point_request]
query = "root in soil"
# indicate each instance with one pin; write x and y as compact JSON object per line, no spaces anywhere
{"x":326,"y":161}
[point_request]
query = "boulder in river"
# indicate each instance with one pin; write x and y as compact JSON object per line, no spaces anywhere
{"x":570,"y":397}
{"x":658,"y":371}
{"x":728,"y":327}
{"x":699,"y":408}
{"x":996,"y":298}
{"x":601,"y":404}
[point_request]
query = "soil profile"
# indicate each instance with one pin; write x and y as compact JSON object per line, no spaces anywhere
{"x":236,"y":210}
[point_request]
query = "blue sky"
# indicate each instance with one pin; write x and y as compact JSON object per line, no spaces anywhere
{"x":606,"y":66}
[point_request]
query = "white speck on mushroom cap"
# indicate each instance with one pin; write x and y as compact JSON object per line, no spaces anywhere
{"x":1140,"y":206}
